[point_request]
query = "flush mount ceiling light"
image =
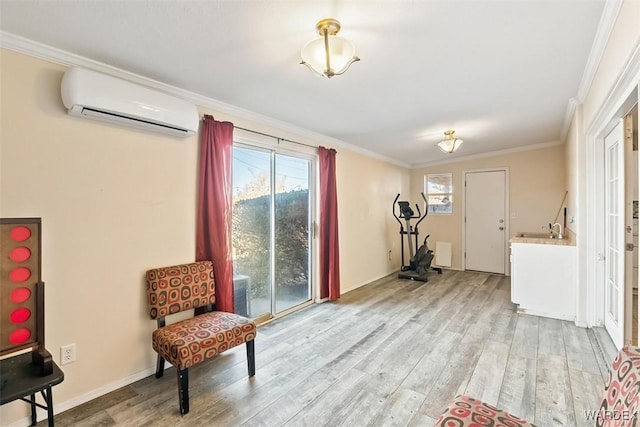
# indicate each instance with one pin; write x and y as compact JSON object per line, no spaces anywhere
{"x":328,"y":55}
{"x":450,"y":143}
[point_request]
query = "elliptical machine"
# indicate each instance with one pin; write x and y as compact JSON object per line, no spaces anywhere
{"x":420,"y":261}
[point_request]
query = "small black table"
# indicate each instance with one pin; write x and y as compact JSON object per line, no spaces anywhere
{"x":20,"y":378}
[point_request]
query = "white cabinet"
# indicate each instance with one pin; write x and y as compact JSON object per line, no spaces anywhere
{"x":543,"y":279}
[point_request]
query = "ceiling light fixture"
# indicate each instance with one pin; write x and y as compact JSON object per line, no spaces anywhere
{"x":328,"y":55}
{"x":450,"y":143}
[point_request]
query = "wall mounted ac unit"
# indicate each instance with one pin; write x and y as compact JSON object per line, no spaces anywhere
{"x":98,"y":96}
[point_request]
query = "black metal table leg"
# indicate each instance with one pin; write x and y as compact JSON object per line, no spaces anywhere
{"x":48,"y":397}
{"x":34,"y":416}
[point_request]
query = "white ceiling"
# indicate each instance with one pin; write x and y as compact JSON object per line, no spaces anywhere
{"x":501,"y":73}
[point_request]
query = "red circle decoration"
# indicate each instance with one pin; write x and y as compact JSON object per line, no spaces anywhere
{"x":19,"y":295}
{"x":20,"y":233}
{"x":20,"y":315}
{"x":19,"y":274}
{"x":20,"y":254}
{"x":19,"y":336}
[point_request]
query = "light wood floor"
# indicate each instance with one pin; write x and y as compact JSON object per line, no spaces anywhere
{"x":392,"y":353}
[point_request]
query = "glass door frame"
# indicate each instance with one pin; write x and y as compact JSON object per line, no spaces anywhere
{"x":309,"y":154}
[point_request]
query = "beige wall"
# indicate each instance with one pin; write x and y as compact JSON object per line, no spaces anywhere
{"x":366,"y":189}
{"x":115,"y":202}
{"x":536,"y":190}
{"x":624,"y":38}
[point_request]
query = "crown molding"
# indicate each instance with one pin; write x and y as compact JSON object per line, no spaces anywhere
{"x":605,"y":26}
{"x":603,"y":32}
{"x":489,"y":154}
{"x":42,"y":51}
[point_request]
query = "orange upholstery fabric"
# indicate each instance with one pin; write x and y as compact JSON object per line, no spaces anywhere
{"x":466,"y":411}
{"x":180,"y":287}
{"x":621,"y":402}
{"x":191,"y":341}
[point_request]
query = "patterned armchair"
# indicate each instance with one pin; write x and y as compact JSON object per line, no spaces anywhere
{"x":620,"y":404}
{"x":466,"y":411}
{"x":188,"y":342}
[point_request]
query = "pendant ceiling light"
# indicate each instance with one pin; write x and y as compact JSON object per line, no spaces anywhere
{"x":450,"y":143}
{"x":328,"y":55}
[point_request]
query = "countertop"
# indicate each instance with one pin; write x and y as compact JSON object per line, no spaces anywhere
{"x":568,"y":240}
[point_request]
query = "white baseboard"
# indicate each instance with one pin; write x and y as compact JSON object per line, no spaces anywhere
{"x":581,"y":323}
{"x":79,"y":400}
{"x":447,"y":268}
{"x":569,"y":317}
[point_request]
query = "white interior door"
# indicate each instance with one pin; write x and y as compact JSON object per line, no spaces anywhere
{"x":485,"y":221}
{"x":614,"y":234}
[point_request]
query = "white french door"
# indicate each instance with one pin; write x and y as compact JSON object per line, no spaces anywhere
{"x":614,"y":234}
{"x":485,"y":221}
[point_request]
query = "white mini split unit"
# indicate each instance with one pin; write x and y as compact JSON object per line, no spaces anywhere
{"x":101,"y":97}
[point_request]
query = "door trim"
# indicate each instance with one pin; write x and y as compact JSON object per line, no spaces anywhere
{"x":507,"y":264}
{"x":619,"y":92}
{"x":631,"y":173}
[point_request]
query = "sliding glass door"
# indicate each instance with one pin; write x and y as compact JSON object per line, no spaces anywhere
{"x":271,"y":231}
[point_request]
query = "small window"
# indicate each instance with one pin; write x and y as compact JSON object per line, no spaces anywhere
{"x":439,"y":192}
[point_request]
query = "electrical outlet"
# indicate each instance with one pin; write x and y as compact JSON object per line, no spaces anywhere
{"x":67,"y":354}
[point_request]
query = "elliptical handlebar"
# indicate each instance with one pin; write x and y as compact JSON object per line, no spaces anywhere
{"x":426,"y":211}
{"x":393,"y":209}
{"x":419,"y":214}
{"x":405,"y":208}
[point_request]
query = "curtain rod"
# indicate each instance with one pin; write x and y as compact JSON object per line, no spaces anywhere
{"x":274,"y":137}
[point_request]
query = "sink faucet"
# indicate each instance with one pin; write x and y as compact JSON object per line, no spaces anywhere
{"x":559,"y":233}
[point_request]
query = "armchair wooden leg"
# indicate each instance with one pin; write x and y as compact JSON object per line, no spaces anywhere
{"x":160,"y":367}
{"x":251,"y":358}
{"x":183,"y":390}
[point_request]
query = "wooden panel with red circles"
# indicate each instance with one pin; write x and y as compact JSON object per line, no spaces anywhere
{"x":20,"y":245}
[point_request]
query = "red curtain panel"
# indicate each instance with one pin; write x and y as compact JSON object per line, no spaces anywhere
{"x":329,"y":253}
{"x":213,"y":228}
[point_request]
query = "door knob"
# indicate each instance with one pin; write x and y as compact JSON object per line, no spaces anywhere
{"x":500,"y":228}
{"x":628,"y":229}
